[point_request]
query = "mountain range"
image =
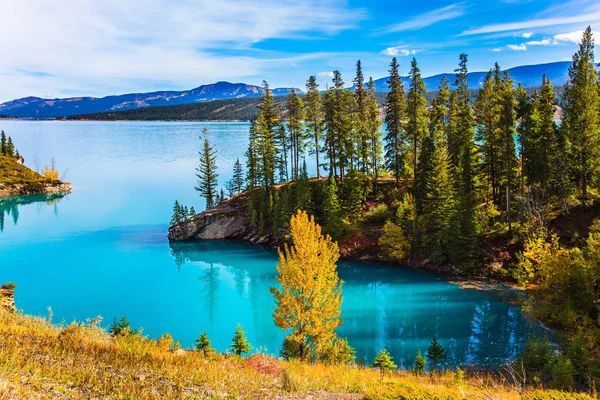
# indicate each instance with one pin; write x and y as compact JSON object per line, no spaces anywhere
{"x":528,"y":75}
{"x":39,"y":108}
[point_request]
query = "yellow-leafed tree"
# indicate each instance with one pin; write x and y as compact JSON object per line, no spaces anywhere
{"x":308,"y":306}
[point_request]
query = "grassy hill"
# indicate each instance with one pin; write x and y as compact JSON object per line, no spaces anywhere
{"x":16,"y":179}
{"x":81,"y":361}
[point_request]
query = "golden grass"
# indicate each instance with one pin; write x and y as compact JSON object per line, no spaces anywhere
{"x":39,"y":360}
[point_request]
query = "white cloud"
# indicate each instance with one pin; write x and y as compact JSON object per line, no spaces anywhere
{"x":573,"y":37}
{"x":543,"y":42}
{"x":398,"y":51}
{"x":496,"y":49}
{"x":429,"y":18}
{"x":93,"y":47}
{"x":533,"y":23}
{"x":517,"y":47}
{"x":525,"y":35}
{"x":326,"y":73}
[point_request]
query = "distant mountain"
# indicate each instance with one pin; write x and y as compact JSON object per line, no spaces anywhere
{"x":528,"y":75}
{"x":35,"y":107}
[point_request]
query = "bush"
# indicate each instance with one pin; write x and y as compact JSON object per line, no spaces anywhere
{"x":563,"y":374}
{"x":556,"y":395}
{"x":538,"y":359}
{"x":9,"y":286}
{"x":394,"y":243}
{"x":379,"y":213}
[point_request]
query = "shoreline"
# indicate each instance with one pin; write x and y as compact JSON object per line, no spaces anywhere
{"x":45,"y":189}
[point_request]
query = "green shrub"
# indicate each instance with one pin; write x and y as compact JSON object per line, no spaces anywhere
{"x":380,"y":213}
{"x":556,"y":395}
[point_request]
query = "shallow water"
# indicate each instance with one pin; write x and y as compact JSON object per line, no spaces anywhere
{"x":102,"y":250}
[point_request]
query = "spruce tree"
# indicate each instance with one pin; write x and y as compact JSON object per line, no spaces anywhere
{"x":332,"y":210}
{"x":436,"y":354}
{"x":507,"y":131}
{"x":373,"y":125}
{"x":238,"y":177}
{"x":207,"y":173}
{"x":3,"y":143}
{"x":239,"y":343}
{"x":308,"y":309}
{"x":362,"y":142}
{"x":265,"y":127}
{"x":581,"y":119}
{"x":416,"y":125}
{"x":546,"y":128}
{"x":10,"y":148}
{"x":395,"y":112}
{"x":440,"y":205}
{"x":295,"y":114}
{"x":314,"y":118}
{"x":384,"y":362}
{"x":175,"y":219}
{"x":203,"y":343}
{"x":419,"y":364}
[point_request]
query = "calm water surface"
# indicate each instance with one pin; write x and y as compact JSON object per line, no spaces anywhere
{"x":102,"y":250}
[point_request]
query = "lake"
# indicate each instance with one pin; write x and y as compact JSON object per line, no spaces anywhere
{"x":103,"y":250}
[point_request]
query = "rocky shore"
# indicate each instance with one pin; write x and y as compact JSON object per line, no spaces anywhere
{"x":48,"y":188}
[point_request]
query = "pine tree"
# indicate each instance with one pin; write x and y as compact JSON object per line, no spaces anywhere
{"x":546,"y":129}
{"x":239,"y":343}
{"x":416,"y":126}
{"x":436,"y":354}
{"x":440,"y":198}
{"x":332,"y":210}
{"x":10,"y":148}
{"x":362,"y":142}
{"x":238,"y":177}
{"x":463,"y":143}
{"x":192,"y":212}
{"x":373,"y":125}
{"x":339,"y":126}
{"x":314,"y":118}
{"x":419,"y":364}
{"x":175,"y":219}
{"x":207,"y":173}
{"x":265,"y":127}
{"x":384,"y":362}
{"x":395,"y":111}
{"x":507,"y":131}
{"x":3,"y":143}
{"x":203,"y":343}
{"x":295,"y":109}
{"x":581,"y":119}
{"x":308,"y":305}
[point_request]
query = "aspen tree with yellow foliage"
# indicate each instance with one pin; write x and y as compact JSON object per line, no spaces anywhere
{"x":308,"y":305}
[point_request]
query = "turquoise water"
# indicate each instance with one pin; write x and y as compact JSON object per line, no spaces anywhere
{"x":102,"y":250}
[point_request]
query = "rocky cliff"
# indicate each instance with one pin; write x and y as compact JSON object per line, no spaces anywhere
{"x":226,"y":221}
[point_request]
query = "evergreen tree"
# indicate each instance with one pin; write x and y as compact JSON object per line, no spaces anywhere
{"x":547,"y":159}
{"x":419,"y":364}
{"x":238,"y":177}
{"x":265,"y":127}
{"x":581,"y":119}
{"x":436,"y":354}
{"x":416,"y":126}
{"x":384,"y":362}
{"x":463,"y":143}
{"x":3,"y":143}
{"x":395,"y":111}
{"x":252,"y":159}
{"x":308,"y":305}
{"x":440,"y":198}
{"x":295,"y":109}
{"x":314,"y":118}
{"x":10,"y":148}
{"x":175,"y":219}
{"x":507,"y":131}
{"x":332,"y":210}
{"x":207,"y":173}
{"x":339,"y":125}
{"x":192,"y":212}
{"x":362,"y":141}
{"x":239,"y":343}
{"x":203,"y":343}
{"x":373,"y":125}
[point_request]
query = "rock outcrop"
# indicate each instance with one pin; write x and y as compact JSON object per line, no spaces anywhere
{"x":7,"y":299}
{"x":226,"y":221}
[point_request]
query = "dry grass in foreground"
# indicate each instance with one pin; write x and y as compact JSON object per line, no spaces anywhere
{"x":39,"y":360}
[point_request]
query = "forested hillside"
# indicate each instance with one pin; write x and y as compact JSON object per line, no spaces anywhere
{"x":491,"y":176}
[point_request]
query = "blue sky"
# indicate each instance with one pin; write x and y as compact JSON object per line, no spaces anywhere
{"x":60,"y":48}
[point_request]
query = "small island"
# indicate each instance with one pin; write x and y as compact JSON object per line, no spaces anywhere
{"x":16,"y":179}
